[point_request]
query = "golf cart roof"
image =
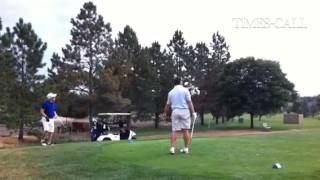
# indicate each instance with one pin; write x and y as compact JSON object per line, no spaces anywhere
{"x":114,"y":118}
{"x":114,"y":114}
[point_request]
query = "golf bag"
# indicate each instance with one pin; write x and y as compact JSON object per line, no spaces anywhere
{"x":98,"y":128}
{"x":126,"y":134}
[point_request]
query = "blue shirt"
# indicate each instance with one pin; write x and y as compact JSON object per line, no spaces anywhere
{"x":49,"y":109}
{"x":178,"y":97}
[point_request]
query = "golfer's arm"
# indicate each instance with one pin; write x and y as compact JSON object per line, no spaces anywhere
{"x":190,"y":106}
{"x":42,"y":113}
{"x":166,"y":109}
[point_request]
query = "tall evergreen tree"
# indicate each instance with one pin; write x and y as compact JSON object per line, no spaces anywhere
{"x":203,"y":63}
{"x":182,"y":56}
{"x":128,"y":41}
{"x":163,"y":72}
{"x":110,"y":91}
{"x":220,"y":49}
{"x":141,"y":85}
{"x":220,"y":55}
{"x":87,"y":53}
{"x":203,"y":68}
{"x":59,"y":81}
{"x":28,"y":50}
{"x":138,"y":69}
{"x":7,"y":78}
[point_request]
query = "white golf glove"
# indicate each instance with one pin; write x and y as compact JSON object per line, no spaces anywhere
{"x":194,"y":116}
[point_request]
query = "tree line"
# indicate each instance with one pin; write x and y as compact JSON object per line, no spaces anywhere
{"x":97,"y":73}
{"x":308,"y":106}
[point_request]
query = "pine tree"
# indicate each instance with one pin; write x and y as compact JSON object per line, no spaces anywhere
{"x":141,"y":86}
{"x":203,"y":69}
{"x":59,"y":81}
{"x":7,"y":79}
{"x":134,"y":64}
{"x":182,"y":56}
{"x":128,"y":41}
{"x":162,"y":75}
{"x":220,"y":55}
{"x":220,"y":50}
{"x":110,"y":91}
{"x":86,"y":55}
{"x":28,"y":50}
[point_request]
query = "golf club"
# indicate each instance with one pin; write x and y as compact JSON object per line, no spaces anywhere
{"x":192,"y":129}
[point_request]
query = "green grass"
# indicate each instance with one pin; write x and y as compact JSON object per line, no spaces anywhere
{"x":275,"y":121}
{"x":245,"y":157}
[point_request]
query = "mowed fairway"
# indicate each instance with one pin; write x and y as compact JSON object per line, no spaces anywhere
{"x":244,"y":157}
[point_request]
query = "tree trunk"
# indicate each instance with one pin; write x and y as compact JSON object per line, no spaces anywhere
{"x":156,"y":121}
{"x":23,"y":85}
{"x":222,"y":119}
{"x":91,"y":65}
{"x":217,"y":119}
{"x":251,"y":117}
{"x":21,"y":117}
{"x":90,"y":107}
{"x":260,"y":117}
{"x":90,"y":112}
{"x":202,"y":116}
{"x":20,"y":137}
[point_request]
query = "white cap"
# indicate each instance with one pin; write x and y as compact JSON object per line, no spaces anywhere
{"x":51,"y":95}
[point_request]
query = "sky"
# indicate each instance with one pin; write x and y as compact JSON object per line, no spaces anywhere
{"x":284,"y":31}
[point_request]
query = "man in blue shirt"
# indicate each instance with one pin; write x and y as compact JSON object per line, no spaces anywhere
{"x":179,"y":101}
{"x":48,"y":113}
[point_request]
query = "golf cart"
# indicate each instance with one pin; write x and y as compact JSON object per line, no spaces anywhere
{"x":111,"y":127}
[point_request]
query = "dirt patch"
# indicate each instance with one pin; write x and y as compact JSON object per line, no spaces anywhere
{"x":72,"y":136}
{"x":12,"y":141}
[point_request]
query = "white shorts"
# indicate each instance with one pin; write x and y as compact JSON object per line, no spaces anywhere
{"x":48,"y":126}
{"x":180,"y":119}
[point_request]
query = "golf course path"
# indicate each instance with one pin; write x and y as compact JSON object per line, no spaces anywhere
{"x":228,"y":133}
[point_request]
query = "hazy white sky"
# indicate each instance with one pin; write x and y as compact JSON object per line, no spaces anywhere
{"x":288,"y":31}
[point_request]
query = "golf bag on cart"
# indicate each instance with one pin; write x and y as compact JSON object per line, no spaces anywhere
{"x":101,"y":131}
{"x":97,"y":129}
{"x":126,"y":134}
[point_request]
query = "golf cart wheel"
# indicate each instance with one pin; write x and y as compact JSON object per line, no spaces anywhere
{"x":106,"y":139}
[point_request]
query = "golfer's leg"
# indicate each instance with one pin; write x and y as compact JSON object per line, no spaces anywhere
{"x":174,"y":129}
{"x":185,"y":124}
{"x":44,"y":136}
{"x":45,"y":129}
{"x":186,"y":137}
{"x":51,"y":130}
{"x":50,"y":138}
{"x":173,"y":139}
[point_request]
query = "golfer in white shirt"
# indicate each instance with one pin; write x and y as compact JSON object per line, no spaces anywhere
{"x":179,"y":100}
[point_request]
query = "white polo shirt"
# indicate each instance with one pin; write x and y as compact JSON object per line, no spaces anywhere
{"x":178,"y":97}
